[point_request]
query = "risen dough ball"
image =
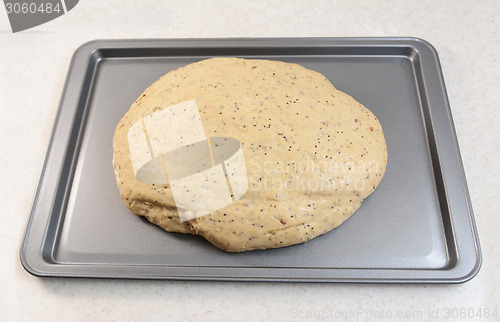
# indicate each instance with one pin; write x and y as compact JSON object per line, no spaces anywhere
{"x":312,"y":153}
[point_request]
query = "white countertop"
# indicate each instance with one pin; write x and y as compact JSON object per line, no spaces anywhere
{"x":33,"y":69}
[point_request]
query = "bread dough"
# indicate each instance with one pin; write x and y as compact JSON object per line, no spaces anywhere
{"x":312,"y":153}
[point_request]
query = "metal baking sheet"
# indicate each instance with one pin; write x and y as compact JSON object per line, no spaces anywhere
{"x":418,"y":226}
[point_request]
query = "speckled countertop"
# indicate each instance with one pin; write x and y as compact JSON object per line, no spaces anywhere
{"x":33,"y":69}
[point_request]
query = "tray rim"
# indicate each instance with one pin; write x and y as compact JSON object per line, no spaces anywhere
{"x":39,"y":264}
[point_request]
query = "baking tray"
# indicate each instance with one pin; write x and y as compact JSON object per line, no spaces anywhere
{"x":418,"y":226}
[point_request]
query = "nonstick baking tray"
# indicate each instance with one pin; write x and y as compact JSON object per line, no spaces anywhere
{"x":417,"y":227}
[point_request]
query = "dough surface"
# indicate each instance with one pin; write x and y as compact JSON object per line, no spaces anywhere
{"x":312,"y":153}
